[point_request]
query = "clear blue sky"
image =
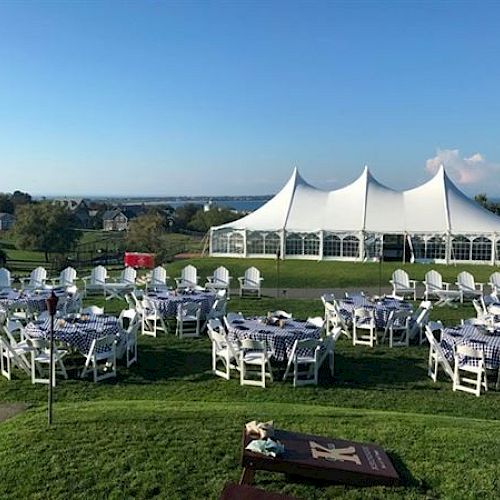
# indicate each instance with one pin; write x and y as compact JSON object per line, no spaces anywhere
{"x":207,"y":97}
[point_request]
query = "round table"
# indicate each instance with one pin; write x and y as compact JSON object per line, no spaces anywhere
{"x":32,"y":301}
{"x":279,"y":340}
{"x":77,"y":333}
{"x":383,"y":308}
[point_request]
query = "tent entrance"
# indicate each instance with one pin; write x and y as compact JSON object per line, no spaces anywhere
{"x":396,"y":248}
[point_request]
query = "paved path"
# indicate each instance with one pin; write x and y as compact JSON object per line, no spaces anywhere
{"x":315,"y":293}
{"x":8,"y":410}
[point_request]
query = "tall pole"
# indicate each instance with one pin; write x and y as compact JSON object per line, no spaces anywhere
{"x":52,"y":308}
{"x":380,"y":258}
{"x":278,"y":256}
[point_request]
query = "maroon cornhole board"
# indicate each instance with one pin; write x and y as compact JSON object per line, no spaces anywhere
{"x":318,"y":457}
{"x":246,"y":492}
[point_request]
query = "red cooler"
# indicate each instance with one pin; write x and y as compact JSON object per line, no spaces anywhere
{"x":142,"y":260}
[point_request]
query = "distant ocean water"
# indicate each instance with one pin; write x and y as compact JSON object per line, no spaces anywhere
{"x":241,"y":205}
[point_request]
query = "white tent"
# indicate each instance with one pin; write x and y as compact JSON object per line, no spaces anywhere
{"x":432,"y":222}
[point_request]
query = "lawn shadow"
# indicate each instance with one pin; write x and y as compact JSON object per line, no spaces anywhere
{"x":373,"y":370}
{"x":164,"y":363}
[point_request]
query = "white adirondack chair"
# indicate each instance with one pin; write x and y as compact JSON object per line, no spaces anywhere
{"x":5,"y":279}
{"x":96,"y":282}
{"x":66,"y":279}
{"x":494,"y":283}
{"x":158,"y":279}
{"x":469,"y":288}
{"x":402,"y":285}
{"x":36,"y":280}
{"x":188,"y":278}
{"x":434,"y":283}
{"x":124,"y":284}
{"x":220,"y":280}
{"x":250,"y":283}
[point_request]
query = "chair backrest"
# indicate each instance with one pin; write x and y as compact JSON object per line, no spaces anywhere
{"x":128,"y":275}
{"x":465,"y":281}
{"x":467,"y":351}
{"x":399,"y":318}
{"x":190,"y":274}
{"x":104,"y":344}
{"x":189,"y":309}
{"x":495,"y":279}
{"x":400,"y":279}
{"x":281,"y":314}
{"x":127,"y":318}
{"x":431,"y":328}
{"x":159,"y":276}
{"x":221,"y":276}
{"x":215,"y":324}
{"x":37,"y":277}
{"x":363,"y":312}
{"x":67,"y":277}
{"x":5,"y":278}
{"x":253,"y":345}
{"x":219,"y":307}
{"x":480,"y":311}
{"x":98,"y":275}
{"x":335,"y":333}
{"x":433,"y":280}
{"x":252,"y":276}
{"x":327,"y":298}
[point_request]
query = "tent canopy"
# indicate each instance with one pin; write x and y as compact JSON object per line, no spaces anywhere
{"x":436,"y":206}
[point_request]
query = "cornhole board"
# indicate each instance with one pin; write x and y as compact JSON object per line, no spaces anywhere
{"x":246,"y":492}
{"x":327,"y":459}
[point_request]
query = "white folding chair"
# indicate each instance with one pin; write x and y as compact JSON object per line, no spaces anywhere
{"x":363,"y":327}
{"x":152,"y":320}
{"x":11,"y":356}
{"x":222,"y":351}
{"x":436,"y":355}
{"x":95,"y":310}
{"x":188,"y":319}
{"x":101,"y":358}
{"x":254,"y":360}
{"x":398,"y":328}
{"x":471,"y":361}
{"x":40,"y":361}
{"x":305,"y":354}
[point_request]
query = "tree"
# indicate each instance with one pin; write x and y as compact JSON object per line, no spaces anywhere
{"x":202,"y":221}
{"x":145,"y":233}
{"x":482,"y":199}
{"x":6,"y":205}
{"x":45,"y":227}
{"x":184,"y":214}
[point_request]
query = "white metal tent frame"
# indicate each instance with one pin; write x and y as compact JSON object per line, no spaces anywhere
{"x":439,"y":222}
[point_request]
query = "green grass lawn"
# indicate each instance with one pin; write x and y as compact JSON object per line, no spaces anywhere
{"x":313,"y":274}
{"x":167,"y":428}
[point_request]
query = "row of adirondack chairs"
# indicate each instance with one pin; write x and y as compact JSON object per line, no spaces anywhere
{"x":37,"y":280}
{"x":250,"y":283}
{"x":466,"y":284}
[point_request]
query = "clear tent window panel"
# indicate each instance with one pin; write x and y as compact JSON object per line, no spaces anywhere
{"x":236,"y":243}
{"x":294,"y":244}
{"x":373,"y":246}
{"x":220,"y":242}
{"x":332,"y":245}
{"x":436,"y":248}
{"x":481,"y":249}
{"x":255,"y":242}
{"x":311,"y":244}
{"x":460,"y":248}
{"x":350,"y":246}
{"x":418,"y":244}
{"x":272,"y":242}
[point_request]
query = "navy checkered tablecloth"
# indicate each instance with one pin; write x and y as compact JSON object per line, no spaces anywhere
{"x":476,"y":337}
{"x":167,"y":302}
{"x":30,"y":300}
{"x":383,"y":308}
{"x":77,"y":333}
{"x":279,"y":340}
